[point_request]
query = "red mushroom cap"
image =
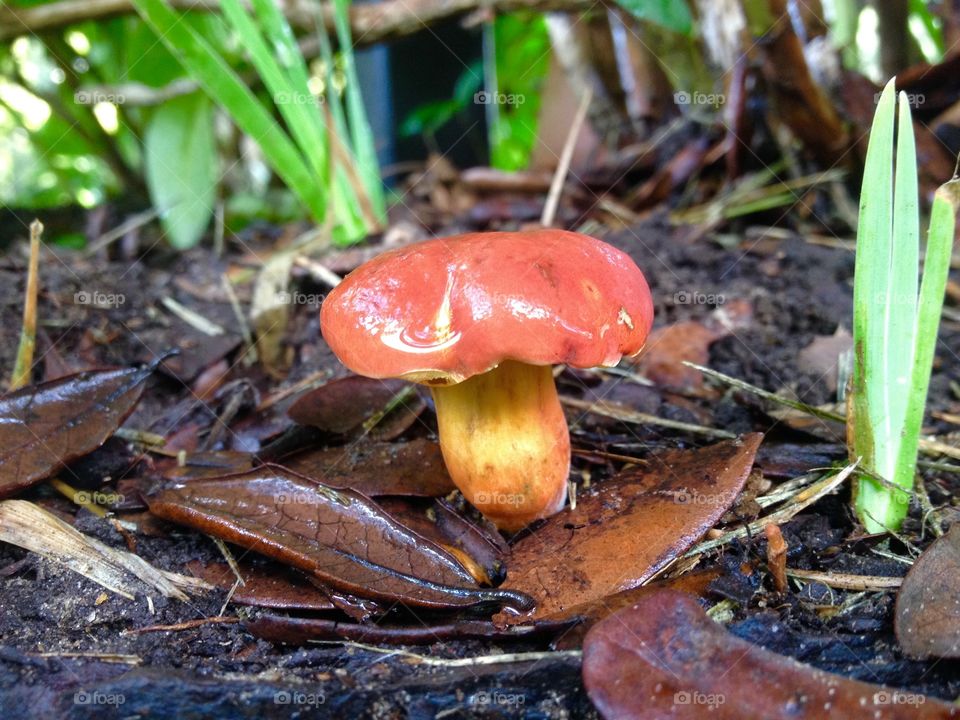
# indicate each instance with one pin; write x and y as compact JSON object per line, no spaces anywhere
{"x":441,"y":311}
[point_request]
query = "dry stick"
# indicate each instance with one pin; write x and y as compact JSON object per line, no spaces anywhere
{"x":187,"y":625}
{"x":566,"y":155}
{"x":28,"y":335}
{"x":845,"y":581}
{"x":929,"y":447}
{"x":776,"y":556}
{"x":250,"y":353}
{"x":638,"y":418}
{"x":801,"y":501}
{"x":497,"y":659}
{"x":369,"y":23}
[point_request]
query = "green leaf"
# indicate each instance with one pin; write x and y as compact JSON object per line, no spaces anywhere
{"x":671,"y":14}
{"x":181,"y":164}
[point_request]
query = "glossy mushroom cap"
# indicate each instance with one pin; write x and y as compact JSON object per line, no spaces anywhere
{"x":444,"y":310}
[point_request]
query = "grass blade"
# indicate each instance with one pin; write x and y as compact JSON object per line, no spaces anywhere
{"x":222,"y":84}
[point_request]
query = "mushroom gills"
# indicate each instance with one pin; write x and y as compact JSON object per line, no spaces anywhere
{"x":505,"y":442}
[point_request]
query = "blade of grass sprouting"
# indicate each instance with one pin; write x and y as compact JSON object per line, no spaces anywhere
{"x":360,"y":133}
{"x":222,"y":84}
{"x":900,"y":300}
{"x":291,"y":97}
{"x":337,"y":127}
{"x":871,"y":271}
{"x":936,"y":269}
{"x":290,"y":59}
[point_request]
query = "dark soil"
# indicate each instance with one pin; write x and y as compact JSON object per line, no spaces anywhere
{"x":64,"y":651}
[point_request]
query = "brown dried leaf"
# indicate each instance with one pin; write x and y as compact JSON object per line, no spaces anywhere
{"x":340,"y":537}
{"x":414,"y":468}
{"x":664,"y":658}
{"x":632,"y":527}
{"x":928,"y":604}
{"x":44,"y":426}
{"x":277,"y":588}
{"x":344,"y":405}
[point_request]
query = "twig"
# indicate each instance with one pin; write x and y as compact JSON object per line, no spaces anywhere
{"x":563,"y":166}
{"x":370,"y":23}
{"x":498,"y":659}
{"x":186,"y":625}
{"x":776,"y":556}
{"x":28,"y":334}
{"x":250,"y":356}
{"x":638,"y":418}
{"x":194,"y":319}
{"x":845,"y":581}
{"x":801,"y":501}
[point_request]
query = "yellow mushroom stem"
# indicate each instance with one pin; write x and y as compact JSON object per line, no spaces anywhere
{"x":505,"y":442}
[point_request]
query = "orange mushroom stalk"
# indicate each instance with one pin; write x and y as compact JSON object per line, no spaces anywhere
{"x":481,"y":318}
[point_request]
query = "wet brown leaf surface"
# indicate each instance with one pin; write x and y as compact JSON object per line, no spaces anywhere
{"x":630,"y":528}
{"x":664,"y":658}
{"x":276,"y":588}
{"x":342,"y":406}
{"x":340,"y":537}
{"x":928,"y":605}
{"x":377,"y":468}
{"x":46,"y":425}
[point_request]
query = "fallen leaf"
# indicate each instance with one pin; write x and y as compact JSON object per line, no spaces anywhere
{"x":413,"y":468}
{"x":629,"y":529}
{"x":664,"y":658}
{"x":280,"y":589}
{"x":928,"y":604}
{"x":669,"y":347}
{"x":480,"y":551}
{"x":342,"y":406}
{"x":44,"y":426}
{"x":340,"y":537}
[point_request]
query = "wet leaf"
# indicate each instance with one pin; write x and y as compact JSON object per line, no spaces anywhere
{"x":340,"y":537}
{"x":664,"y":658}
{"x":928,"y":604}
{"x":630,"y":528}
{"x":375,"y":468}
{"x":343,"y":406}
{"x":480,"y":551}
{"x":277,"y":588}
{"x":44,"y":426}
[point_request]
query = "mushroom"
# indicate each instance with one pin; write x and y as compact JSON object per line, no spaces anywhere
{"x":481,"y":318}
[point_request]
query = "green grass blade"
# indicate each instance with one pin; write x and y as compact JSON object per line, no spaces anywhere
{"x":943,"y":218}
{"x":292,"y":99}
{"x":222,"y":84}
{"x":361,"y":135}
